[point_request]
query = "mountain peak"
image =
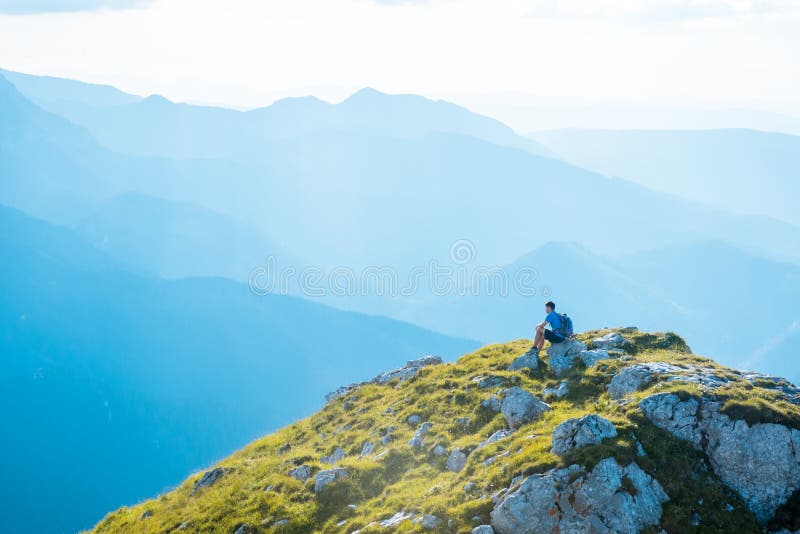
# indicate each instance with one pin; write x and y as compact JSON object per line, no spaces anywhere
{"x":475,"y":446}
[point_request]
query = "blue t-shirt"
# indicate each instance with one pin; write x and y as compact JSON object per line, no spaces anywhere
{"x":553,"y":320}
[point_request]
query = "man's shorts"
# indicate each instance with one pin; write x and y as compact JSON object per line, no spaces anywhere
{"x":552,"y":337}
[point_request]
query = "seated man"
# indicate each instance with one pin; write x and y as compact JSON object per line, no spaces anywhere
{"x":550,"y":334}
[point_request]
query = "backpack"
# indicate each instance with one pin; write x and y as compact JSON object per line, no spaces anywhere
{"x":566,"y":325}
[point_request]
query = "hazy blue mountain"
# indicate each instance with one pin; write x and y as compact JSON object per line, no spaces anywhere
{"x":739,"y":308}
{"x":116,"y":385}
{"x":48,"y":90}
{"x":361,"y":198}
{"x":749,"y":303}
{"x":745,"y":171}
{"x":175,"y":239}
{"x":155,"y":126}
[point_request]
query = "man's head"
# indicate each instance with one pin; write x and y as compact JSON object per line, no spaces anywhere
{"x":550,"y":306}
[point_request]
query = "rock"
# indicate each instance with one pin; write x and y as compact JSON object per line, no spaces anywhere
{"x":430,"y":522}
{"x":591,"y":357}
{"x":439,"y":451}
{"x":410,"y":369}
{"x":562,"y":355}
{"x":209,"y":478}
{"x":679,"y":418}
{"x":469,"y":486}
{"x":497,"y":436}
{"x":492,"y":459}
{"x":483,"y":529}
{"x":464,"y":421}
{"x":341,"y":391}
{"x":396,"y":519}
{"x":245,"y":529}
{"x":493,"y":403}
{"x":488,"y":382}
{"x":283,"y":449}
{"x":414,"y":419}
{"x":327,"y":476}
{"x":558,"y":392}
{"x":416,"y":441}
{"x":629,"y":380}
{"x":456,"y":461}
{"x":529,"y":360}
{"x":367,"y":449}
{"x":572,"y":500}
{"x":760,"y":462}
{"x":401,"y":374}
{"x":611,"y":340}
{"x":147,"y":513}
{"x":520,"y":407}
{"x":301,"y":473}
{"x":335,"y":457}
{"x":581,"y":432}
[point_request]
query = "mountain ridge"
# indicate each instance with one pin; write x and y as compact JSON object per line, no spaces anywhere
{"x":470,"y":447}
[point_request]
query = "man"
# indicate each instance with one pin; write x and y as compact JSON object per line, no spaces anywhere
{"x":548,"y":334}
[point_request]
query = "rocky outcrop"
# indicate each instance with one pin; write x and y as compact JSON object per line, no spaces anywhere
{"x":581,"y":432}
{"x":609,"y":499}
{"x":562,"y":355}
{"x":612,"y":340}
{"x":483,"y":529}
{"x":760,"y":462}
{"x":209,"y":478}
{"x":327,"y":476}
{"x":401,"y":374}
{"x":520,"y":407}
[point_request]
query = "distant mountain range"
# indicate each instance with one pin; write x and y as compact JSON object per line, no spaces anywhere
{"x":746,"y":171}
{"x":116,"y":385}
{"x":125,"y":316}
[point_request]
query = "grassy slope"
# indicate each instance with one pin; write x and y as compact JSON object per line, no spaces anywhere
{"x":257,"y":490}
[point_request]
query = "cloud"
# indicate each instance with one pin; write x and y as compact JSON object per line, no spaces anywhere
{"x":658,"y":10}
{"x":27,"y":7}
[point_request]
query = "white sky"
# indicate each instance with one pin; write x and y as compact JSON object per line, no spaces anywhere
{"x":530,"y":63}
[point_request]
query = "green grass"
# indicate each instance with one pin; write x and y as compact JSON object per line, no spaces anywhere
{"x":258,"y":491}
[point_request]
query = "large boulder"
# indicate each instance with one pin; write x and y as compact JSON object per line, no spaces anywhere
{"x":529,"y":360}
{"x":638,"y":376}
{"x":612,"y":340}
{"x":610,"y":498}
{"x":327,"y":476}
{"x":562,"y":355}
{"x":581,"y":432}
{"x":520,"y":407}
{"x":760,"y":462}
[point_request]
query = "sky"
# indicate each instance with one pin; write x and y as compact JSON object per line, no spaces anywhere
{"x":533,"y":64}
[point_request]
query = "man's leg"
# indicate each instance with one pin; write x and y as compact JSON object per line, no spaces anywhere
{"x":539,"y":341}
